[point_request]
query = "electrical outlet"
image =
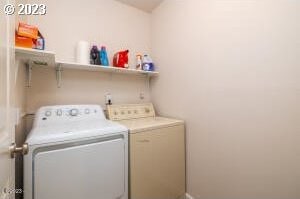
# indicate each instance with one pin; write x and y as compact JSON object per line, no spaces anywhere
{"x":108,"y":98}
{"x":142,"y":96}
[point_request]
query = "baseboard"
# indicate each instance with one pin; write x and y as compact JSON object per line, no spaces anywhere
{"x":188,"y":196}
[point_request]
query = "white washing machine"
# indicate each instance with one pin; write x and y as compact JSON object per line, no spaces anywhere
{"x":156,"y":152}
{"x":74,"y":152}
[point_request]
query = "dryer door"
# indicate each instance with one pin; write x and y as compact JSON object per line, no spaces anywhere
{"x":94,"y":170}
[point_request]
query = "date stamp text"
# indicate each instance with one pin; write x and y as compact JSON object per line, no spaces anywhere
{"x":25,"y":9}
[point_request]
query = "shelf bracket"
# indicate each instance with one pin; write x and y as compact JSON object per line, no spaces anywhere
{"x":148,"y":82}
{"x":58,"y":75}
{"x":29,"y":73}
{"x":17,"y":70}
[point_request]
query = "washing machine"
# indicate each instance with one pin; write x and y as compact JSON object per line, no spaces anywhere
{"x":75,"y":152}
{"x":156,"y":152}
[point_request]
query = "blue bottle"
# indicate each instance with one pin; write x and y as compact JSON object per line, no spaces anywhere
{"x":103,"y":56}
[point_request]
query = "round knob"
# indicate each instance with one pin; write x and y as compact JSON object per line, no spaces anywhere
{"x":48,"y":113}
{"x":74,"y":112}
{"x":147,"y":110}
{"x":87,"y":111}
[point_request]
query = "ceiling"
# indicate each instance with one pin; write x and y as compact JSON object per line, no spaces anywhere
{"x":145,"y":5}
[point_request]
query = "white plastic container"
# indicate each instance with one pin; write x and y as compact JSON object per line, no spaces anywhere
{"x":83,"y":52}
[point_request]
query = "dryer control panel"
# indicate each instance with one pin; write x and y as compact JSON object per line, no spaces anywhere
{"x":130,"y":111}
{"x":62,"y":114}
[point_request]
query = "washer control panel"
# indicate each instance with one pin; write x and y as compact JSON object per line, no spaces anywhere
{"x":60,"y":114}
{"x":130,"y":111}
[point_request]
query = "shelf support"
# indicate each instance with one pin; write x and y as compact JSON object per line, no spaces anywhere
{"x":17,"y":70}
{"x":29,"y":73}
{"x":148,"y":82}
{"x":58,"y":75}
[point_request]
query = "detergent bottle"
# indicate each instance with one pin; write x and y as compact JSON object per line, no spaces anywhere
{"x":95,"y":60}
{"x":148,"y":63}
{"x":121,"y":59}
{"x":103,"y":56}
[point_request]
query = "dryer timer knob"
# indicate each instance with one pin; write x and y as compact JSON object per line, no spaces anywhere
{"x":74,"y":112}
{"x":48,"y":113}
{"x":87,"y":111}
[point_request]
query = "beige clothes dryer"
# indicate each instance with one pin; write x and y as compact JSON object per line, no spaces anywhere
{"x":156,"y":152}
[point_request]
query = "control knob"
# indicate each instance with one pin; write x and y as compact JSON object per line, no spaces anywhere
{"x":48,"y":113}
{"x":74,"y":112}
{"x":87,"y":111}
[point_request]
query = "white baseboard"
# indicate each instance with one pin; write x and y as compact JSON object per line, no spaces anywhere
{"x":188,"y":196}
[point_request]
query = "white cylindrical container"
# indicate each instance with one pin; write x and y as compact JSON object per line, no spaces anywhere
{"x":83,"y":52}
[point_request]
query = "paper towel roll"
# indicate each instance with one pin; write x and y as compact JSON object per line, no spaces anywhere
{"x":83,"y":52}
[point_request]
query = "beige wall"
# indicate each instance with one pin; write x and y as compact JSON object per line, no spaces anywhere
{"x":231,"y":70}
{"x":98,"y":21}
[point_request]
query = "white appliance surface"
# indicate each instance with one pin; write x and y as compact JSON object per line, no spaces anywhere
{"x":73,"y":131}
{"x":75,"y":152}
{"x":63,"y":123}
{"x":88,"y":170}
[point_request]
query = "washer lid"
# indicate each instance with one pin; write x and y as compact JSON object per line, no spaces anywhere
{"x":150,"y":123}
{"x":73,"y":131}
